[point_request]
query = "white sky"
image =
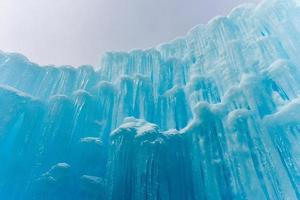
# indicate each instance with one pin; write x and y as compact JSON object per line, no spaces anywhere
{"x":77,"y":32}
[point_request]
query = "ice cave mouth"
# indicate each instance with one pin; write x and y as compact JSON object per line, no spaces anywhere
{"x":211,"y":115}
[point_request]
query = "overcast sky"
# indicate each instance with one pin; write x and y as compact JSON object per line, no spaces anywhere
{"x":77,"y":32}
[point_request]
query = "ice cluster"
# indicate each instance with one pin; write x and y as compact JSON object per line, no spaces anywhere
{"x":211,"y":115}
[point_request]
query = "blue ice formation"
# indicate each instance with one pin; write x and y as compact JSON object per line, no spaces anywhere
{"x":212,"y":115}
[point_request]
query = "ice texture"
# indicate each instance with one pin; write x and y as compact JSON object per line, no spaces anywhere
{"x":214,"y":114}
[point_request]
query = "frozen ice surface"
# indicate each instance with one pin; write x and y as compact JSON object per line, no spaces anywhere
{"x":211,"y":115}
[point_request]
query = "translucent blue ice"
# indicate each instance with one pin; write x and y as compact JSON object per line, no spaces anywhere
{"x":211,"y":115}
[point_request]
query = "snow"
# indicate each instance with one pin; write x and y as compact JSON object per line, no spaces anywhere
{"x":138,"y":126}
{"x":287,"y":114}
{"x":92,"y":179}
{"x":91,"y":140}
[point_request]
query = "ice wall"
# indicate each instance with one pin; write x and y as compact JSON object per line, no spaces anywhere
{"x":211,"y":115}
